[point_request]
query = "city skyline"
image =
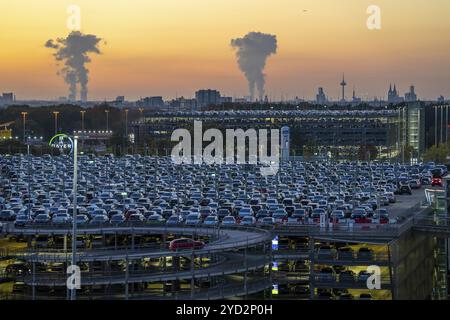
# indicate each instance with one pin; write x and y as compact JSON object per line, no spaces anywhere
{"x":317,"y":43}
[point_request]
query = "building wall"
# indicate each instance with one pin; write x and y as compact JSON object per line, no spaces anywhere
{"x":412,"y":262}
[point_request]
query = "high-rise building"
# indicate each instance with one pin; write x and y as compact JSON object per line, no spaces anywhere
{"x":120,"y":99}
{"x":321,"y":98}
{"x":226,"y":99}
{"x":7,"y":98}
{"x":207,"y":97}
{"x":183,"y":104}
{"x":151,"y":102}
{"x":411,"y":96}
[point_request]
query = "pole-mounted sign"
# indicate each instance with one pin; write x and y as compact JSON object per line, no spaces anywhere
{"x":62,"y":142}
{"x":65,"y":143}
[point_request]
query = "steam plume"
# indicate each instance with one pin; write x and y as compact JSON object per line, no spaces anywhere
{"x":252,"y":53}
{"x":73,"y":51}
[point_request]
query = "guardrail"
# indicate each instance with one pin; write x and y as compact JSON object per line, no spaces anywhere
{"x":129,"y":228}
{"x":230,"y":239}
{"x":336,"y":230}
{"x":233,"y":266}
{"x":222,"y":291}
{"x":335,"y":282}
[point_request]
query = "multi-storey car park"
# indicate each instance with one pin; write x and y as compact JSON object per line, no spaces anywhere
{"x":340,"y":131}
{"x":288,"y":253}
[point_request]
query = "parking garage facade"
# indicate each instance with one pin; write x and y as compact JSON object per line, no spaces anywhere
{"x":338,"y":134}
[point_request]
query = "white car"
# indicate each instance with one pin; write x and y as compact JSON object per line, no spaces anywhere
{"x":248,"y":221}
{"x":337,"y":214}
{"x":211,"y":220}
{"x":229,"y":221}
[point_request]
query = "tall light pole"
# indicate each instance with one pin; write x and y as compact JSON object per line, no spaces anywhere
{"x":141,"y":110}
{"x":404,"y":134}
{"x":446,"y":123}
{"x":82,"y":119}
{"x":55,"y":113}
{"x":82,"y":128}
{"x":442,"y":124}
{"x":29,"y":180}
{"x":435,"y":126}
{"x":107,"y":120}
{"x":73,"y":292}
{"x":126,"y":123}
{"x":24,"y":116}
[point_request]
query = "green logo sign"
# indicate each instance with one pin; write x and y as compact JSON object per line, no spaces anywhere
{"x":62,"y":142}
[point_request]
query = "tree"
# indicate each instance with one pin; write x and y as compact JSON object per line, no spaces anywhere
{"x":438,"y":153}
{"x":367,"y":152}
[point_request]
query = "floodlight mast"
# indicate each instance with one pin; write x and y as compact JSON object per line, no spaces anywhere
{"x":73,"y":293}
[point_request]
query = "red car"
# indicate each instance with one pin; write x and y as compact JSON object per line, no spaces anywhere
{"x":384,"y":220}
{"x":185,"y":243}
{"x":363,"y":220}
{"x":436,"y":182}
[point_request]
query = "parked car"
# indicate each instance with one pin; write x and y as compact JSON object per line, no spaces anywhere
{"x":22,"y":220}
{"x":229,"y":221}
{"x":61,"y":218}
{"x":326,"y":274}
{"x":7,"y":215}
{"x":136,"y":218}
{"x":82,"y":219}
{"x":345,"y":253}
{"x":193,"y":219}
{"x":211,"y":220}
{"x":347,"y":276}
{"x":248,"y":221}
{"x":99,"y":219}
{"x":117,"y":219}
{"x":365,"y":253}
{"x":174,"y":220}
{"x":42,"y":218}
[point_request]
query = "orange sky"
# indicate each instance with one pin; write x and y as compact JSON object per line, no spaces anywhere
{"x":173,"y":47}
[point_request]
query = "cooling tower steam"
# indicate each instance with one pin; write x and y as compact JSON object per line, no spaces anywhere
{"x":252,"y":53}
{"x":74,"y":51}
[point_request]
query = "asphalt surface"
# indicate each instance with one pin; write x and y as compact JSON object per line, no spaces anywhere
{"x":229,"y":240}
{"x":405,"y":202}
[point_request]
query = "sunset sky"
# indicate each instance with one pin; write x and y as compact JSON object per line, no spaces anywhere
{"x":173,"y":47}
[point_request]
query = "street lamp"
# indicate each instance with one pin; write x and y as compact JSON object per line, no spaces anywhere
{"x":55,"y":113}
{"x":435,"y":126}
{"x":126,"y":123}
{"x":24,"y":115}
{"x":442,"y":124}
{"x":141,"y":110}
{"x":446,"y":123}
{"x":82,"y":119}
{"x":82,"y":128}
{"x":73,"y":292}
{"x":107,"y":119}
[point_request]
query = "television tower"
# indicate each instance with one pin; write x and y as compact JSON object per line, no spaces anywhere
{"x":343,"y":84}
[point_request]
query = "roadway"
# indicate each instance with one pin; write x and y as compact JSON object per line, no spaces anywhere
{"x":225,"y":240}
{"x":233,"y":263}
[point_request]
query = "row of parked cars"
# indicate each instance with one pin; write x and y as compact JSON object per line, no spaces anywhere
{"x":136,"y":189}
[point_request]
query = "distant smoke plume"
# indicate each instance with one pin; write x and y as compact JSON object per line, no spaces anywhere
{"x":73,"y":51}
{"x":252,"y":53}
